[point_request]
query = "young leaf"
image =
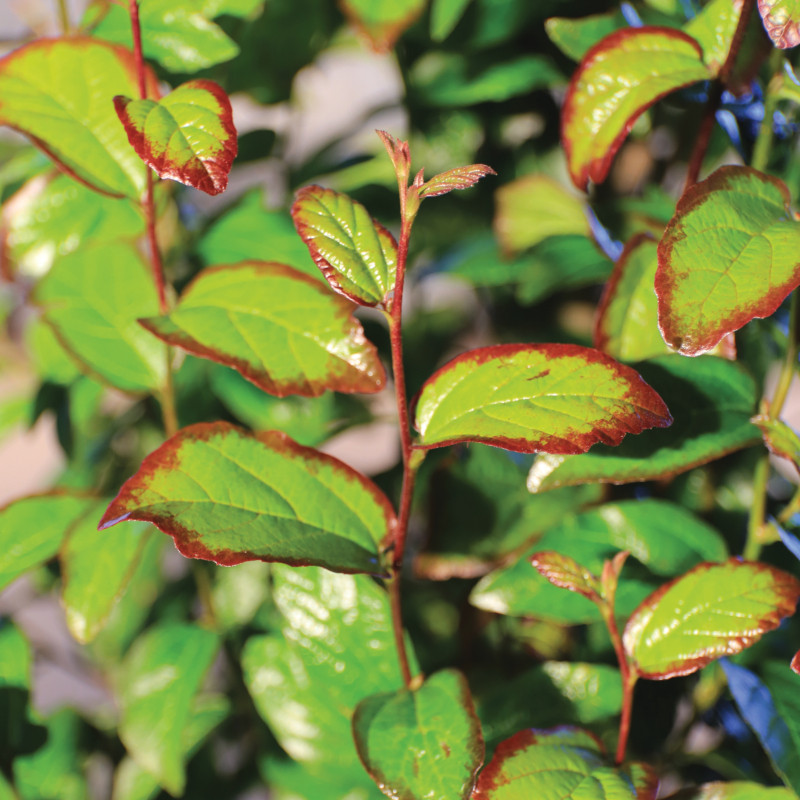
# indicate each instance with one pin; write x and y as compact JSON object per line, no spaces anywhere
{"x":782,"y":21}
{"x":230,"y":496}
{"x":618,"y":79}
{"x":566,"y":573}
{"x":734,"y":790}
{"x":728,"y":255}
{"x":421,"y":742}
{"x":188,"y":136}
{"x":458,"y":178}
{"x":712,"y":611}
{"x":58,"y":92}
{"x":779,"y":438}
{"x":713,"y":29}
{"x":284,"y":331}
{"x":159,"y":679}
{"x":568,"y":763}
{"x":711,"y":401}
{"x":382,"y":22}
{"x":554,"y":398}
{"x":357,"y":255}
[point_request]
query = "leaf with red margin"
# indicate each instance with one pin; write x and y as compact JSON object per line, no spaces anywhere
{"x":566,"y":573}
{"x":782,"y":21}
{"x":58,"y":92}
{"x":568,"y":763}
{"x":795,"y":665}
{"x":712,"y":611}
{"x":728,"y":255}
{"x":284,"y":331}
{"x":382,"y":21}
{"x":458,"y":178}
{"x":227,"y":495}
{"x":619,"y":79}
{"x":779,"y":438}
{"x":357,"y":255}
{"x":552,"y":398}
{"x":188,"y":136}
{"x":421,"y":742}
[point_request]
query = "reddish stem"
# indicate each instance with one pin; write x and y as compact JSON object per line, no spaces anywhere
{"x":136,"y":30}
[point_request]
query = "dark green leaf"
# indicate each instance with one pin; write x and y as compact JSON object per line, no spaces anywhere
{"x":784,"y":686}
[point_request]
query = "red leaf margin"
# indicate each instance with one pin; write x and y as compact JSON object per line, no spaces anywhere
{"x":458,"y":178}
{"x":795,"y":665}
{"x":784,"y":34}
{"x":558,"y":569}
{"x":167,"y":458}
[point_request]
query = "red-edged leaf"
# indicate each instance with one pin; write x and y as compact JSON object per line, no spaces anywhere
{"x":552,"y":398}
{"x":795,"y":665}
{"x":712,"y":611}
{"x":381,"y":21}
{"x":782,"y":21}
{"x":227,"y":495}
{"x":458,"y":178}
{"x":285,"y":332}
{"x":618,"y":79}
{"x":399,"y":153}
{"x":779,"y":438}
{"x":728,"y":255}
{"x":566,"y":573}
{"x":188,"y":136}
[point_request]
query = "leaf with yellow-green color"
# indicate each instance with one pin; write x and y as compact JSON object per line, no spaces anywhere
{"x":382,"y":21}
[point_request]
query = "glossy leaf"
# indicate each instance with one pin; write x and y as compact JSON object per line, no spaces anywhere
{"x":782,"y":21}
{"x":159,"y":679}
{"x":553,"y":398}
{"x":728,"y":255}
{"x":779,"y":438}
{"x":445,"y":15}
{"x":713,"y":29}
{"x":534,"y":208}
{"x":711,"y":401}
{"x":421,"y":742}
{"x":59,"y":91}
{"x":93,"y":311}
{"x":283,"y":331}
{"x":734,"y":790}
{"x":458,"y":178}
{"x":32,"y":529}
{"x":357,"y":255}
{"x":382,"y":21}
{"x":188,"y":136}
{"x":626,"y":325}
{"x":712,"y":611}
{"x":568,"y":763}
{"x":618,"y":79}
{"x":230,"y":496}
{"x":566,"y":573}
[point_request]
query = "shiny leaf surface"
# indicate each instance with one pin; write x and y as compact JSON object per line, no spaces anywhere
{"x":382,"y":21}
{"x":728,"y":255}
{"x":59,"y":91}
{"x":458,"y":178}
{"x":554,"y":398}
{"x":283,"y":331}
{"x":782,"y":21}
{"x":566,"y":573}
{"x":618,"y":79}
{"x":188,"y":136}
{"x":712,"y":611}
{"x":779,"y":438}
{"x":423,"y":742}
{"x":357,"y":255}
{"x":713,"y":29}
{"x":711,"y":401}
{"x":229,"y":496}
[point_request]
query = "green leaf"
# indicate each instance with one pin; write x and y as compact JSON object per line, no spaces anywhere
{"x":626,"y":325}
{"x":779,"y":438}
{"x":158,"y":681}
{"x":96,"y":568}
{"x":15,"y":666}
{"x":568,"y":763}
{"x":94,"y":310}
{"x":357,"y":255}
{"x":188,"y":136}
{"x":32,"y":529}
{"x":713,"y":29}
{"x":711,"y":401}
{"x":50,"y":359}
{"x":58,"y":92}
{"x":445,"y":15}
{"x":783,"y":685}
{"x":618,"y":79}
{"x":574,"y":37}
{"x":230,"y":496}
{"x":293,"y":780}
{"x":566,"y":573}
{"x":782,"y":21}
{"x":734,"y":790}
{"x":382,"y":21}
{"x":177,"y":33}
{"x":534,"y":208}
{"x":422,"y":742}
{"x":458,"y":178}
{"x":728,"y":255}
{"x":554,"y":398}
{"x":239,"y":593}
{"x":712,"y":611}
{"x":283,"y":331}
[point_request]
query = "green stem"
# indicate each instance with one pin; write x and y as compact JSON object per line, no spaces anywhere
{"x":755,"y":525}
{"x":63,"y":18}
{"x":790,"y":359}
{"x":763,"y":145}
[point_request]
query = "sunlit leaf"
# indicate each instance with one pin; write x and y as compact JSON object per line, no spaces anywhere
{"x":15,"y":666}
{"x":382,"y":21}
{"x":728,"y":255}
{"x":711,"y":401}
{"x":574,"y":37}
{"x":712,"y":611}
{"x":59,"y":93}
{"x":458,"y":178}
{"x":93,"y":309}
{"x":713,"y":28}
{"x":188,"y":136}
{"x":781,"y":440}
{"x":553,"y":398}
{"x":357,"y":255}
{"x":445,"y":15}
{"x":782,"y":21}
{"x":230,"y":496}
{"x":158,"y":681}
{"x":734,"y":790}
{"x":618,"y":79}
{"x":421,"y":742}
{"x":566,"y":573}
